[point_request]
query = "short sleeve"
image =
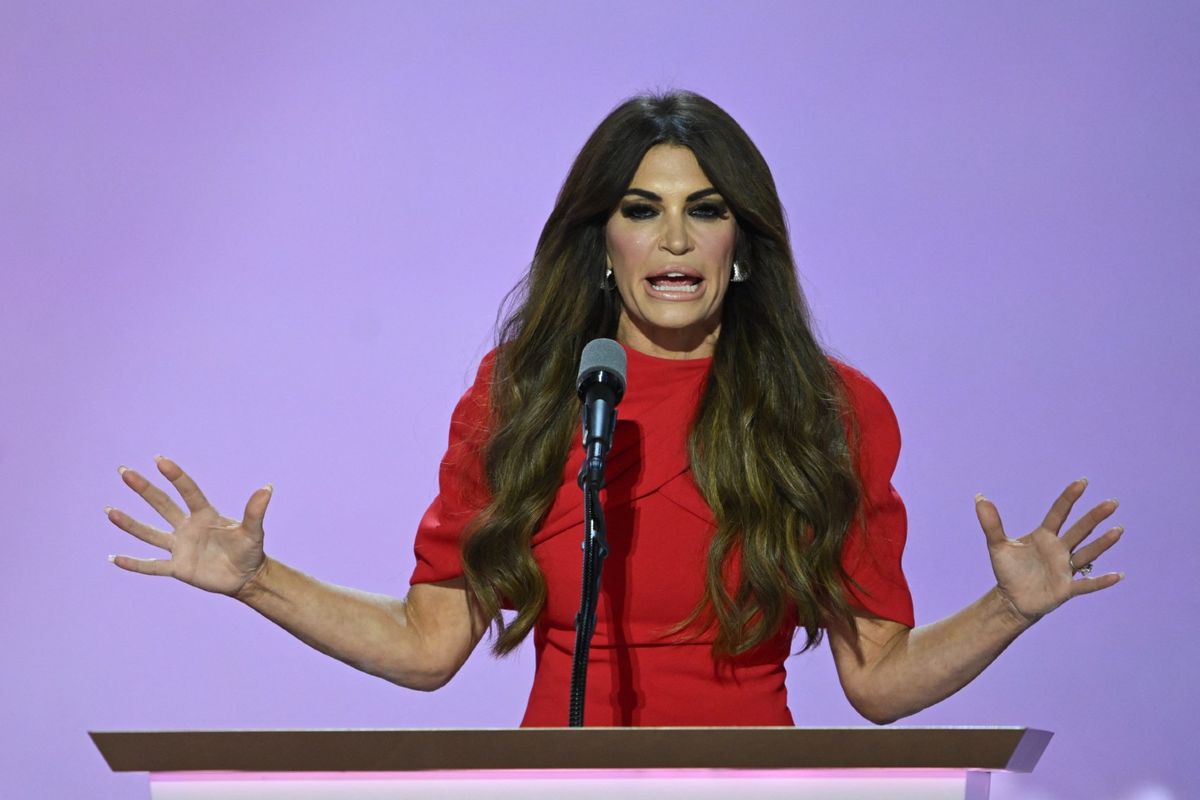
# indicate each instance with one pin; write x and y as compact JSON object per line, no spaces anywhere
{"x":462,"y":486}
{"x":872,"y":553}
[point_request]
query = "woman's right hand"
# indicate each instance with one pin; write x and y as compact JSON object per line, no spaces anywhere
{"x":207,"y":550}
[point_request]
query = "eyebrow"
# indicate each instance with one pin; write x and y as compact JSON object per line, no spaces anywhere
{"x":656,"y":198}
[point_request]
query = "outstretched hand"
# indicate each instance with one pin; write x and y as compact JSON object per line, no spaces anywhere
{"x":1036,"y":573}
{"x":206,"y":550}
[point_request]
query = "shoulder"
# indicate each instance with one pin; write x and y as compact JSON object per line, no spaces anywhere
{"x":873,"y":415}
{"x":487,"y":366}
{"x":484,"y":375}
{"x":866,"y":398}
{"x":471,"y":414}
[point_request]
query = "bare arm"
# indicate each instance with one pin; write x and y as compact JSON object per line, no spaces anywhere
{"x":419,"y":642}
{"x":889,"y":671}
{"x":904,"y":670}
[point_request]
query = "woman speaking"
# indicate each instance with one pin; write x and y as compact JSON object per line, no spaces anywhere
{"x":748,"y":484}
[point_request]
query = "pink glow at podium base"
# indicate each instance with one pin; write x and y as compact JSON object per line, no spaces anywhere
{"x":718,"y":784}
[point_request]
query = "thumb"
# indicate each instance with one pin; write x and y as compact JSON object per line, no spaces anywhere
{"x":256,"y":508}
{"x":989,"y":520}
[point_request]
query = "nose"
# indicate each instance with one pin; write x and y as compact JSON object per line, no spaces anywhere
{"x":676,"y":238}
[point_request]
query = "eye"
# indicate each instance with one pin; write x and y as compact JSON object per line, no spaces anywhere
{"x":638,"y":211}
{"x":710,"y":210}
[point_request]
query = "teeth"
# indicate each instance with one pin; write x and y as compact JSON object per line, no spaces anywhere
{"x":687,"y":288}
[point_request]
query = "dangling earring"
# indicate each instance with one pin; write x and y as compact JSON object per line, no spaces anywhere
{"x":739,"y":275}
{"x":609,"y":283}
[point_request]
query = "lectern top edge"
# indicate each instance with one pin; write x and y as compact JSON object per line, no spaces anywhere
{"x":410,"y":750}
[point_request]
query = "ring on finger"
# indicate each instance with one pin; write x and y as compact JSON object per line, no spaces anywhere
{"x":1084,"y":570}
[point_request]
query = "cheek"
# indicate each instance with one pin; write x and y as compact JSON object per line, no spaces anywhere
{"x":718,"y":245}
{"x":628,"y":247}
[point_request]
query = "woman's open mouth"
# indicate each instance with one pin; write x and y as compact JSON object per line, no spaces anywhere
{"x":675,"y":284}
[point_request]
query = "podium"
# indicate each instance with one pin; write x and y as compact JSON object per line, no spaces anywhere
{"x":625,"y":763}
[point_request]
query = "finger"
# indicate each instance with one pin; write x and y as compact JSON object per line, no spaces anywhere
{"x":1084,"y":526}
{"x":187,"y":488}
{"x":151,"y":536}
{"x":989,"y":520}
{"x":145,"y":566}
{"x":1062,"y":506}
{"x":1093,"y":550}
{"x":156,"y":497}
{"x":1089,"y":585}
{"x":256,"y":508}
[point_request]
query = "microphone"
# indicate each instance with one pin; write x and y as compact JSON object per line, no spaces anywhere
{"x":601,"y":385}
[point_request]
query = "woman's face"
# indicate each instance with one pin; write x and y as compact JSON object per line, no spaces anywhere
{"x":670,"y":245}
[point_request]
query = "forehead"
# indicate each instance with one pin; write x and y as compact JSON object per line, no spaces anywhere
{"x":669,"y":169}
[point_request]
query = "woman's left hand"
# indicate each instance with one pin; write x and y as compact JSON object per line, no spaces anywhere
{"x":1035,"y":573}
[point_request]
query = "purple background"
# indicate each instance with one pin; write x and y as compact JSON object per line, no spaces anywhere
{"x":269,"y":240}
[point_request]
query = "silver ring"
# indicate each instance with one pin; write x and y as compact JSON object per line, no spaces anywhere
{"x":1085,"y":570}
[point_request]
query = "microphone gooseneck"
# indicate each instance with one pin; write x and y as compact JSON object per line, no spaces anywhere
{"x":601,"y":385}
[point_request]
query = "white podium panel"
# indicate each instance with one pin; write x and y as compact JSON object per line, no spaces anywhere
{"x":579,"y":785}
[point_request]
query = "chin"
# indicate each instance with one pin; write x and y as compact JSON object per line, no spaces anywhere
{"x":680,"y":323}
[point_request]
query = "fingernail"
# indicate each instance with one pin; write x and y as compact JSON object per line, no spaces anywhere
{"x":158,"y":458}
{"x":112,"y":559}
{"x":122,"y":469}
{"x":1114,"y":501}
{"x":979,"y":497}
{"x":269,"y":487}
{"x":1120,"y":577}
{"x":1084,"y":481}
{"x":107,"y":510}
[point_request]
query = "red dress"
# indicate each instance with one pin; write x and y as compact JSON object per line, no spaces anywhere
{"x":659,"y":530}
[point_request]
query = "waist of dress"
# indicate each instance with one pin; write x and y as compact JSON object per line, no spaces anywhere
{"x":662,"y":685}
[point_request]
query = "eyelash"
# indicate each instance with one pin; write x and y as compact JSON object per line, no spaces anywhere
{"x":706,"y":211}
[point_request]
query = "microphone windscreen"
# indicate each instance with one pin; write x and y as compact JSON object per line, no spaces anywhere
{"x":602,"y":355}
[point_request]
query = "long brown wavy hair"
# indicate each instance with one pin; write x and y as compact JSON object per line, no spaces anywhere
{"x":768,"y":447}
